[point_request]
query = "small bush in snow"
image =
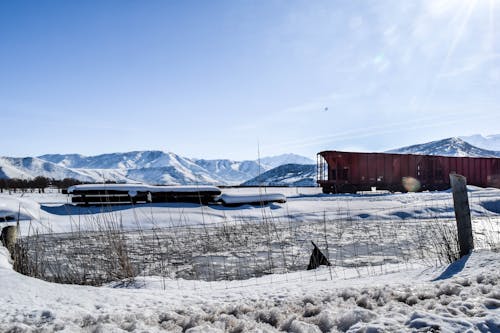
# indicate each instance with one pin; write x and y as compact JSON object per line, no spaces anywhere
{"x":326,"y":321}
{"x":238,"y":327}
{"x":445,"y":299}
{"x":449,"y":289}
{"x":205,"y":328}
{"x":426,"y":294}
{"x":311,"y":310}
{"x":298,"y":326}
{"x":308,"y":300}
{"x":272,"y":317}
{"x":168,"y":318}
{"x":348,"y":293}
{"x":170,"y":326}
{"x":487,"y":279}
{"x":485,"y":289}
{"x":285,"y":325}
{"x":412,"y":300}
{"x":431,"y":305}
{"x":495,"y":294}
{"x":365,"y":302}
{"x":380,"y":295}
{"x":351,"y":317}
{"x":401,"y":296}
{"x":465,"y":282}
{"x":192,"y":321}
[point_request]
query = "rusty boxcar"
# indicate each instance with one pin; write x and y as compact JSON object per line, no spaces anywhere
{"x":349,"y":172}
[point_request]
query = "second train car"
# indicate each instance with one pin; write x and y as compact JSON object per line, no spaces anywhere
{"x":349,"y":172}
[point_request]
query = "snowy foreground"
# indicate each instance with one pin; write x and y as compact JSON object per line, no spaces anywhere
{"x":407,"y":296}
{"x":463,"y":297}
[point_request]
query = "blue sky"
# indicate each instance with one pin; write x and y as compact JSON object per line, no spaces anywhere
{"x":223,"y":79}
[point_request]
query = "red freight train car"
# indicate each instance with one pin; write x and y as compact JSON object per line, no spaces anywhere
{"x":347,"y":172}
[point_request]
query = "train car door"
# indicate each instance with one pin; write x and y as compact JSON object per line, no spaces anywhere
{"x":332,"y":170}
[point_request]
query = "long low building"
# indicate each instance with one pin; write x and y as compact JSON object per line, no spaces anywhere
{"x":95,"y":194}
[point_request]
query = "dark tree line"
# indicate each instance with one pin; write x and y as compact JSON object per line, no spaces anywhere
{"x":39,"y":183}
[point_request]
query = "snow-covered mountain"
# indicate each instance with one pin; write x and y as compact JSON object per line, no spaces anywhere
{"x":446,"y":147}
{"x":160,"y":167}
{"x":489,"y":142}
{"x":274,"y":161}
{"x":286,"y":175}
{"x":30,"y":167}
{"x":232,"y":172}
{"x":127,"y":160}
{"x":153,"y":167}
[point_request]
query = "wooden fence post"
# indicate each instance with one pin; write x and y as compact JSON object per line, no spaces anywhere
{"x":462,"y":213}
{"x":9,"y":237}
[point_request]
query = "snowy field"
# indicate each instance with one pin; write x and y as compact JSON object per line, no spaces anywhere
{"x":53,"y":212}
{"x":242,"y":268}
{"x":463,"y":297}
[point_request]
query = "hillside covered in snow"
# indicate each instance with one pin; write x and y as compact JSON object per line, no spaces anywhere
{"x":488,"y":142}
{"x":286,"y":175}
{"x":447,"y":147}
{"x":153,"y":167}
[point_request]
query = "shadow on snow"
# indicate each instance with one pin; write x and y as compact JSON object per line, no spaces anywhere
{"x":453,"y":269}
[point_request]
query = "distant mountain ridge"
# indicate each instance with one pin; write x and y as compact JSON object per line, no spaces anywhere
{"x":275,"y":161}
{"x":488,"y":142}
{"x":160,"y":167}
{"x":286,"y":175}
{"x":152,"y":167}
{"x":447,"y":147}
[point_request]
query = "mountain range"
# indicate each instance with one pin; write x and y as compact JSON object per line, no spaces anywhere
{"x":160,"y":167}
{"x":447,"y":147}
{"x":152,"y":167}
{"x":286,"y":175}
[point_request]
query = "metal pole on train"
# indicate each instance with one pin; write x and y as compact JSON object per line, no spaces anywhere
{"x":462,"y":213}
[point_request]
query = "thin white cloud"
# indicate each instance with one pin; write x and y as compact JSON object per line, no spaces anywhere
{"x":471,"y":65}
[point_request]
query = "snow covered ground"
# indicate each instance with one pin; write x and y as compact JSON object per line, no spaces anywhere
{"x":53,"y":213}
{"x":463,"y":297}
{"x":409,"y":295}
